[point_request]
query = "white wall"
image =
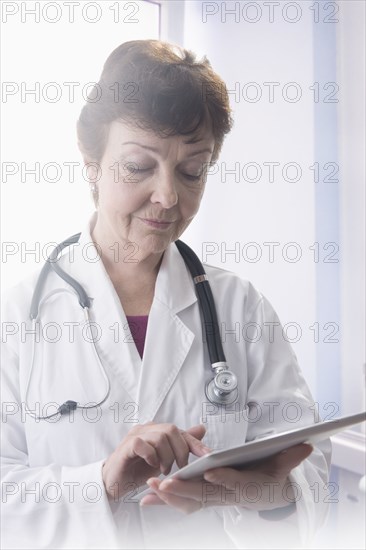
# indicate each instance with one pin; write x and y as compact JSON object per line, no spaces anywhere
{"x":351,"y":70}
{"x":279,"y":131}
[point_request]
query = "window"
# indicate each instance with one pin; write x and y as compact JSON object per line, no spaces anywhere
{"x":52,"y":52}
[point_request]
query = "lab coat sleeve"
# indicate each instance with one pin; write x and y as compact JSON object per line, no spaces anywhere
{"x":51,"y":506}
{"x":279,"y":400}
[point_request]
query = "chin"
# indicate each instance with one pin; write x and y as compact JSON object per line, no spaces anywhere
{"x":155,"y":244}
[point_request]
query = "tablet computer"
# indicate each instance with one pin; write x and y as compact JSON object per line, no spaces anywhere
{"x":259,"y":449}
{"x":242,"y":455}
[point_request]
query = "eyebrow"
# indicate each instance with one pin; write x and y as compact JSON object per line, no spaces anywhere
{"x":155,"y":150}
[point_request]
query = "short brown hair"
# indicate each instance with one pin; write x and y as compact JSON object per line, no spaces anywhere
{"x":157,"y":86}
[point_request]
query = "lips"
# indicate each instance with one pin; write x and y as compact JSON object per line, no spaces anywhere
{"x":156,"y":223}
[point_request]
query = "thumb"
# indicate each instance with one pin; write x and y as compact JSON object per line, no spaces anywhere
{"x":193,"y":436}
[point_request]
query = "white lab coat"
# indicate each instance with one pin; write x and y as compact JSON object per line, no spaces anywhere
{"x":53,"y":494}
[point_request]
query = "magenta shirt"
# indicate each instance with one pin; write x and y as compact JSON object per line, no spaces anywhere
{"x":138,"y":327}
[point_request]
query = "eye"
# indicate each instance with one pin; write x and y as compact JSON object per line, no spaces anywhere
{"x":193,"y":170}
{"x":191,"y":177}
{"x":134,"y":168}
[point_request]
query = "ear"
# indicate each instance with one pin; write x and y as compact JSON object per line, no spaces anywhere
{"x":86,"y":158}
{"x":92,"y":169}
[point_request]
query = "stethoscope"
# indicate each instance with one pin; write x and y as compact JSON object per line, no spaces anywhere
{"x":222,"y":389}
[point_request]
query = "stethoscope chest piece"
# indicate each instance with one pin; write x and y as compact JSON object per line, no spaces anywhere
{"x":223,"y":388}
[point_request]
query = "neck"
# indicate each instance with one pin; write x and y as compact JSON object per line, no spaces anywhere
{"x":124,"y":260}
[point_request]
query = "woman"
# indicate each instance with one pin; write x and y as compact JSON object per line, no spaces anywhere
{"x":70,"y":480}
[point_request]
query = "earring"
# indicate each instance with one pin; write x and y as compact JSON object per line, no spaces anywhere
{"x":95,"y":194}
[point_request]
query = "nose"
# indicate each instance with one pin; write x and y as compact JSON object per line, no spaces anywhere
{"x":165,"y":190}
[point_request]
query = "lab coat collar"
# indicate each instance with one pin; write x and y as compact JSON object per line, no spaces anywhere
{"x":168,"y":339}
{"x":173,"y":287}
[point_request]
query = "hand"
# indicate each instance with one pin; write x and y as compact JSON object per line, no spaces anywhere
{"x":262,"y":487}
{"x":147,"y":450}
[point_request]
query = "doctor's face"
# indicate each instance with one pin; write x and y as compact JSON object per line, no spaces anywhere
{"x":150,"y":187}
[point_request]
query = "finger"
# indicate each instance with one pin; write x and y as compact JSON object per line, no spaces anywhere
{"x":197,"y":431}
{"x":178,"y":444}
{"x":192,"y":437}
{"x":228,"y":477}
{"x":186,"y":505}
{"x":151,"y":500}
{"x":168,"y":441}
{"x":278,"y":465}
{"x":144,"y":450}
{"x":192,"y":489}
{"x":201,"y":491}
{"x":164,"y":450}
{"x":232,"y":482}
{"x":282,"y":463}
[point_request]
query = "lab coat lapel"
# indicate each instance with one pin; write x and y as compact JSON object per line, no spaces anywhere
{"x":115,"y":346}
{"x":168,"y":339}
